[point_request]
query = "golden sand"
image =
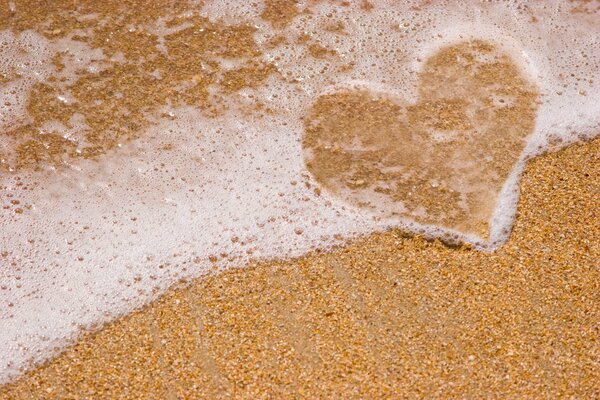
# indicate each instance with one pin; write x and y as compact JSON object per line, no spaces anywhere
{"x":386,"y":316}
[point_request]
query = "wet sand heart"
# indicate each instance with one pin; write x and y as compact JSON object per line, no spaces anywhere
{"x":440,"y":161}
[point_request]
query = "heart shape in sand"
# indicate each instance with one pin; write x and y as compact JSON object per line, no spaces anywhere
{"x":440,"y":161}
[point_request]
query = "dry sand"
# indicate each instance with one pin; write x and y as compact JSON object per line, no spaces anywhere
{"x":387,"y":316}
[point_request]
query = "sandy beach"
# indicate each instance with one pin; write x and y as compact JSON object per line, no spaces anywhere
{"x":368,"y":154}
{"x":387,"y":316}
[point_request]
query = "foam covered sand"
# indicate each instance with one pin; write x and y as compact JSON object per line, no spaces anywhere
{"x":140,"y":148}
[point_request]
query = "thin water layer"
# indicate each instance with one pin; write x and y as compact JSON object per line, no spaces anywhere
{"x":146,"y":142}
{"x":442,"y":160}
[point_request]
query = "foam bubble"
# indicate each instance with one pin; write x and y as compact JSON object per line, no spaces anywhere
{"x":218,"y":179}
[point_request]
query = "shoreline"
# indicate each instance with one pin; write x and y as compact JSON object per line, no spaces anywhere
{"x":380,"y":315}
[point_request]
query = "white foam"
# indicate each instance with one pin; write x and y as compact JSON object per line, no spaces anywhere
{"x":105,"y":237}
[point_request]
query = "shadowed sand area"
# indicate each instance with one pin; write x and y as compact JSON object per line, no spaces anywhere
{"x":385,"y":316}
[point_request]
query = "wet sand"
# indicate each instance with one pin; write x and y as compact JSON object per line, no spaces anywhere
{"x":386,"y":316}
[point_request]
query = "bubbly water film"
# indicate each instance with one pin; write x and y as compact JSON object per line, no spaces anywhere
{"x":142,"y":143}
